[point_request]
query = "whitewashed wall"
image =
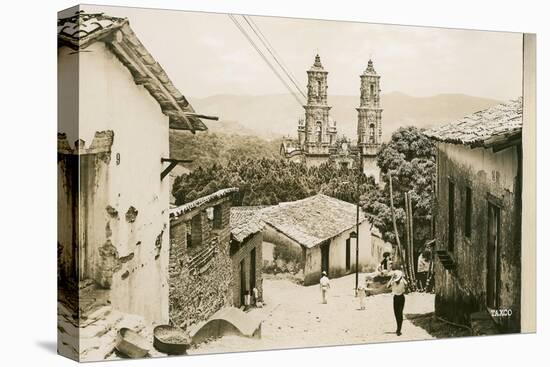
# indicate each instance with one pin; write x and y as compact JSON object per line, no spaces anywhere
{"x":110,"y":100}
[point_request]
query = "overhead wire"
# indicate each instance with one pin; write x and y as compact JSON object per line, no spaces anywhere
{"x":273,"y":53}
{"x":264,"y":57}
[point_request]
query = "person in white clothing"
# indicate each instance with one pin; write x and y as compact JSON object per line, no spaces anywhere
{"x":398,"y":287}
{"x":325,"y":285}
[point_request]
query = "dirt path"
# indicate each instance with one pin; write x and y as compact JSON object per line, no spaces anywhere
{"x":295,"y":317}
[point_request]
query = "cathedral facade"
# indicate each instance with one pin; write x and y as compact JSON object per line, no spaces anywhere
{"x":318,"y":139}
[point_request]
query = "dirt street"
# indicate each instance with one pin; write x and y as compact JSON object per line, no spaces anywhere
{"x":294,"y":317}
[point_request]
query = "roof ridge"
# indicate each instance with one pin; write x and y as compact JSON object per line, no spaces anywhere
{"x":484,"y":128}
{"x":174,"y":212}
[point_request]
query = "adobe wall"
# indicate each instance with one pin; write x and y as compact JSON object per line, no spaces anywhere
{"x":123,"y":234}
{"x":337,"y":255}
{"x":491,"y":176}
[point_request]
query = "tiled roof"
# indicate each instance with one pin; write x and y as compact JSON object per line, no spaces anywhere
{"x":485,"y":128}
{"x":312,"y":220}
{"x":84,"y":29}
{"x":182,"y":209}
{"x":245,"y":221}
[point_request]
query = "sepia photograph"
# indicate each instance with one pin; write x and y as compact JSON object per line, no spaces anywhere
{"x":236,"y":183}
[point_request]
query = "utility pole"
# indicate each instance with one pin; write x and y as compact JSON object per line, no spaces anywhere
{"x":357,"y":193}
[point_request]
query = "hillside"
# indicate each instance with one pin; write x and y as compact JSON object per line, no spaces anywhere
{"x":208,"y":148}
{"x":273,"y":116}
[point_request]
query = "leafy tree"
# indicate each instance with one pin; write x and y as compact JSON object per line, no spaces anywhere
{"x":410,"y":159}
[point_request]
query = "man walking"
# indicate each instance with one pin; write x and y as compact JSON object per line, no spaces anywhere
{"x":398,"y":287}
{"x":325,"y":285}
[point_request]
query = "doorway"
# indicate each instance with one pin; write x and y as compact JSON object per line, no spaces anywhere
{"x":243,"y":280}
{"x":252,"y":269}
{"x":348,"y":254}
{"x":493,"y":263}
{"x":325,"y":263}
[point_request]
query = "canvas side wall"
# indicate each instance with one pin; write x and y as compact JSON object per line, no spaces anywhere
{"x":68,"y":342}
{"x":529,"y":189}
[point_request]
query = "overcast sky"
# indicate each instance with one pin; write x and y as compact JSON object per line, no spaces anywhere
{"x":205,"y":54}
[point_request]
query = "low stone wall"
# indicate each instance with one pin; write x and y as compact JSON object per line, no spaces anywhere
{"x":200,"y":277}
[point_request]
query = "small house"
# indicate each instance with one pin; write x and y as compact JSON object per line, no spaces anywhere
{"x":322,"y":230}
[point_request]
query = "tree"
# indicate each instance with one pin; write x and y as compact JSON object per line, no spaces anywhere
{"x":270,"y":181}
{"x":410,"y":158}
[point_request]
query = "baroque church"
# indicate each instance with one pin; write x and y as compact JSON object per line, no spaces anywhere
{"x":318,"y":140}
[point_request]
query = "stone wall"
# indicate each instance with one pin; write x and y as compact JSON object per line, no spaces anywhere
{"x":492,"y":177}
{"x":243,"y":253}
{"x":200,"y":276}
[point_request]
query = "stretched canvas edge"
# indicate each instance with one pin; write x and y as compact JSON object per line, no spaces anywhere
{"x":529,"y":188}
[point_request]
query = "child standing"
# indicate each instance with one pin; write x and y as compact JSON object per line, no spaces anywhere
{"x":361,"y":294}
{"x":325,"y":285}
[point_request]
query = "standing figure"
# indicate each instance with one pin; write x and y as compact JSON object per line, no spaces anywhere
{"x":325,"y":285}
{"x":361,"y":294}
{"x":385,"y":265}
{"x":398,"y":287}
{"x":422,"y":269}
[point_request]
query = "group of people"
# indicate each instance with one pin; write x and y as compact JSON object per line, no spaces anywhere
{"x":397,"y":283}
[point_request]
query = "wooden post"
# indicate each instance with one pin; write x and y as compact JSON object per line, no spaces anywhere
{"x":399,"y":249}
{"x":407,"y":234}
{"x":411,"y":240}
{"x":357,"y":193}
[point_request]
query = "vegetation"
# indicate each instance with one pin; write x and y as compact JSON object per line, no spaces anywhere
{"x":410,"y":159}
{"x":207,"y":149}
{"x":254,"y":166}
{"x":270,"y":181}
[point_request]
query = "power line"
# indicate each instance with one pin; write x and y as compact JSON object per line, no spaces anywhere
{"x":273,"y":53}
{"x":251,"y":41}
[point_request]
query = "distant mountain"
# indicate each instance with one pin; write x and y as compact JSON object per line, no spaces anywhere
{"x":273,"y":116}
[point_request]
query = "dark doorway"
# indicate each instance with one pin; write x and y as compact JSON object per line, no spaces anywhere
{"x":325,"y":248}
{"x":493,"y":263}
{"x":451,"y":206}
{"x":348,"y":254}
{"x":252,"y":269}
{"x":243,"y":280}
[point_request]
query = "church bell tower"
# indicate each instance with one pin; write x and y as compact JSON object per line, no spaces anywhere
{"x":369,"y":120}
{"x":317,"y":132}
